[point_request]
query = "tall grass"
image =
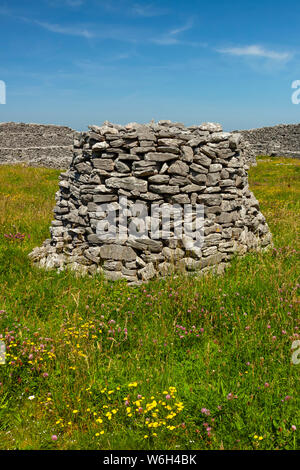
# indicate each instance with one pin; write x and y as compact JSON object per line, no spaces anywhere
{"x":181,"y":363}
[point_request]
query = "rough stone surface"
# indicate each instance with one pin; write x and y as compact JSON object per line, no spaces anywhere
{"x":36,"y":145}
{"x":52,"y":146}
{"x":177,"y":165}
{"x":282,"y":141}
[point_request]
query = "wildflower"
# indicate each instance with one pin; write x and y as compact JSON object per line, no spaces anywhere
{"x":54,"y":437}
{"x":294,"y":428}
{"x":133,"y":384}
{"x":267,"y":385}
{"x":205,"y":411}
{"x":75,"y":412}
{"x":32,"y":397}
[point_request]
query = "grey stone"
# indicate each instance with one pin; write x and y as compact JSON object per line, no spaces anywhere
{"x":122,"y":167}
{"x":178,"y":168}
{"x":160,"y":157}
{"x":148,"y":272}
{"x":105,"y":198}
{"x":164,"y":189}
{"x":142,"y":150}
{"x":117,"y":253}
{"x":199,"y":179}
{"x":100,"y":146}
{"x":103,"y":164}
{"x":168,"y":149}
{"x":192,"y":188}
{"x":211,"y":127}
{"x":198,"y":168}
{"x":145,"y":244}
{"x":181,"y":199}
{"x":159,"y":179}
{"x":187,"y":153}
{"x":217,"y":137}
{"x":128,"y":183}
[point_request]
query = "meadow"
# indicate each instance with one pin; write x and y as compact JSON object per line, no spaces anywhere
{"x":181,"y":363}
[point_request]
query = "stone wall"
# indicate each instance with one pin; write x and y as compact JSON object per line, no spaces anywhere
{"x":282,"y":141}
{"x":36,"y":145}
{"x":52,"y":146}
{"x":160,"y":163}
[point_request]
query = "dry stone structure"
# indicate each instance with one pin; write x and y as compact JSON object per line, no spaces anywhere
{"x":36,"y":145}
{"x":281,"y":141}
{"x":52,"y":146}
{"x":162,"y":164}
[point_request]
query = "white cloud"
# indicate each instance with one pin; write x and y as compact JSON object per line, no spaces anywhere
{"x":170,"y":38}
{"x":67,"y":30}
{"x":256,"y":51}
{"x":148,"y":10}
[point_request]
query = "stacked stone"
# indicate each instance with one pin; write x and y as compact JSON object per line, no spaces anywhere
{"x":282,"y":140}
{"x":36,"y":145}
{"x":157,"y":163}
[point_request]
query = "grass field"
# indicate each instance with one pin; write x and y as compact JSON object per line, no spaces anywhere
{"x":184,"y":363}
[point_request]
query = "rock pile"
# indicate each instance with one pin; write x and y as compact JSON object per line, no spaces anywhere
{"x":158,"y":165}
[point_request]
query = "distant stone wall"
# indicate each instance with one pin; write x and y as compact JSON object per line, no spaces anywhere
{"x":51,"y":146}
{"x":138,"y":168}
{"x":36,"y":145}
{"x":282,"y":141}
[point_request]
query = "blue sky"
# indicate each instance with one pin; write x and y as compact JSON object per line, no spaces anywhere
{"x":80,"y":62}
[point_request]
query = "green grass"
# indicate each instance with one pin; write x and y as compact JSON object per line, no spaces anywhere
{"x":234,"y":361}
